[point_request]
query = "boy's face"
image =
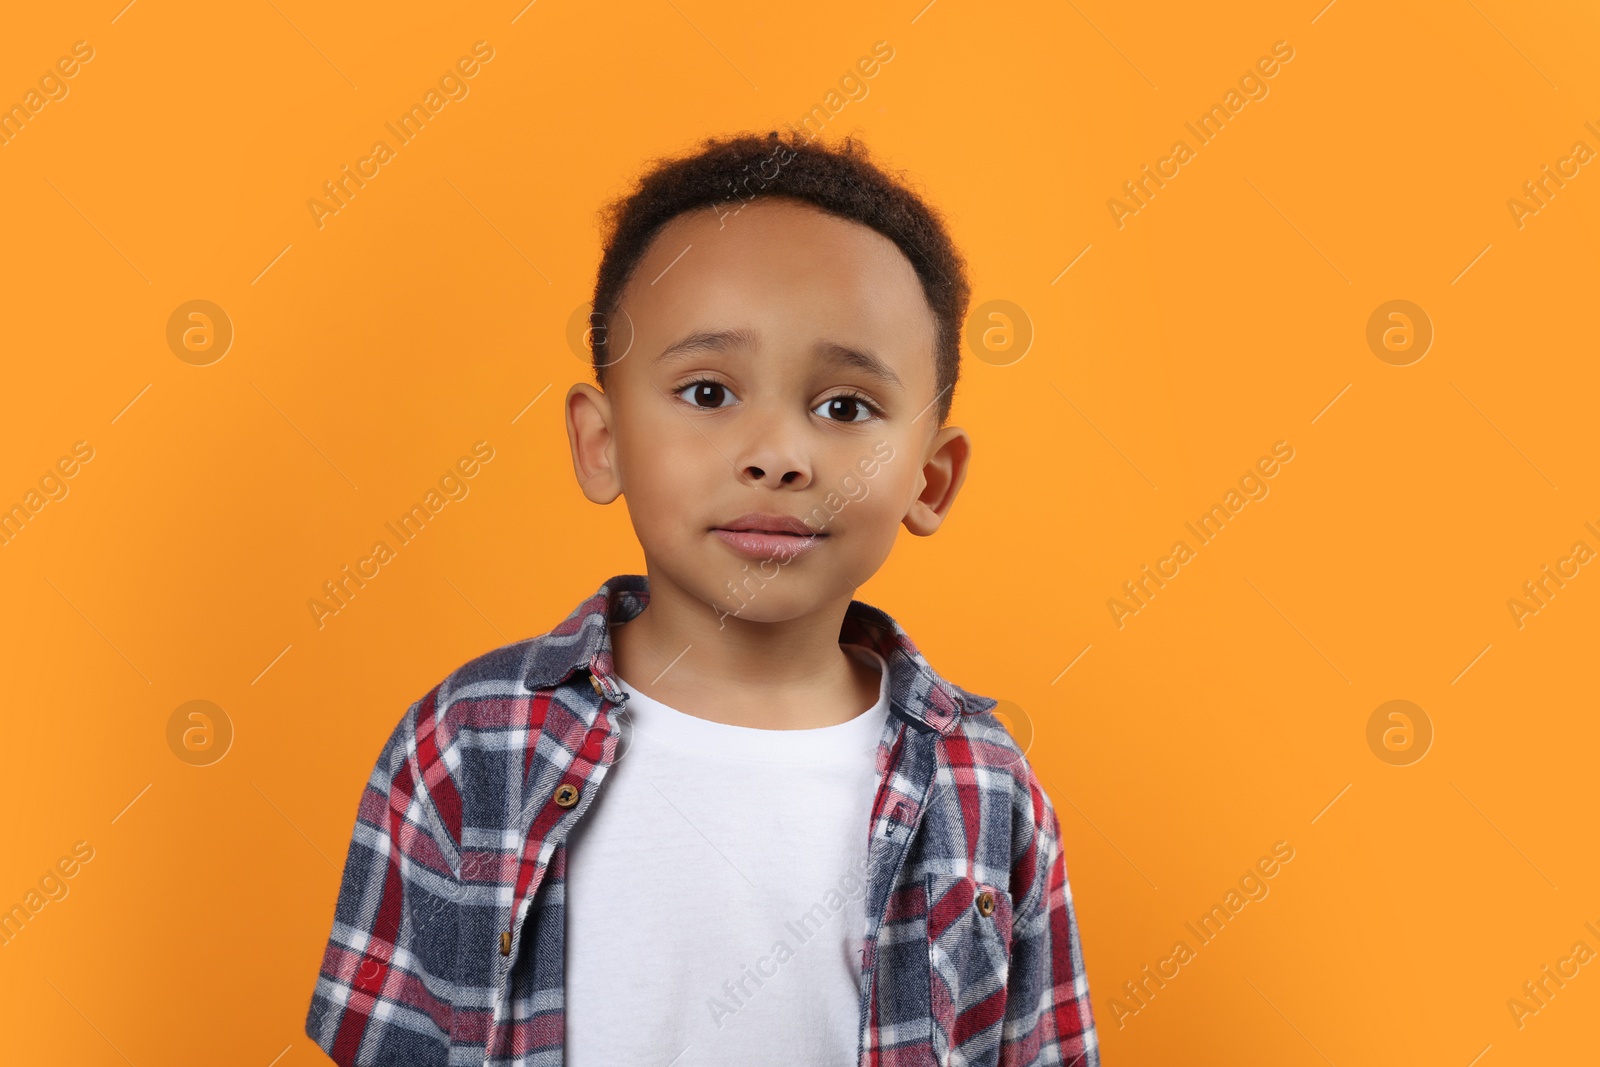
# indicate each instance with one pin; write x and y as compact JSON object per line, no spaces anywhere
{"x":782,"y":366}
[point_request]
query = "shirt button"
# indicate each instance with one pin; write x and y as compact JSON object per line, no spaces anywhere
{"x":594,"y":683}
{"x":566,"y":795}
{"x":986,"y":903}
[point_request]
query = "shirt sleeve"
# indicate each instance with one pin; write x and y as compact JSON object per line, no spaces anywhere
{"x":1048,"y":1020}
{"x":384,"y":994}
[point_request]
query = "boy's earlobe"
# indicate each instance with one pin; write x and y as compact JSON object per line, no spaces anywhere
{"x":588,"y":413}
{"x":942,"y":477}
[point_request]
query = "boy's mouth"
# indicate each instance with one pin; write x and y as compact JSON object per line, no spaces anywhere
{"x":764,"y":536}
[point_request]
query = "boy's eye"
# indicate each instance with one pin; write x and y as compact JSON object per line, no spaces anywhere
{"x":845,"y":409}
{"x":707,"y":394}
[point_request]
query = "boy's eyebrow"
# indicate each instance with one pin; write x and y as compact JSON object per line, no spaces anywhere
{"x":726,"y":340}
{"x":865,"y":362}
{"x":707,"y":341}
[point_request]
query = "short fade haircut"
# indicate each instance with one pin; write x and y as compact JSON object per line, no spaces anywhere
{"x":840,"y":179}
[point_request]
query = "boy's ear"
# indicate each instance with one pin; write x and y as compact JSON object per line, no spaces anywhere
{"x":593,"y":446}
{"x":942,"y":474}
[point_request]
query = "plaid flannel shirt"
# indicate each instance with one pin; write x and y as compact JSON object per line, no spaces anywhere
{"x":449,"y":930}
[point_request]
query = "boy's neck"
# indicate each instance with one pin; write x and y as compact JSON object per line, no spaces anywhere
{"x":790,"y":675}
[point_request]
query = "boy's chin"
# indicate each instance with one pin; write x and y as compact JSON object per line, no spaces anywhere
{"x":796,"y":591}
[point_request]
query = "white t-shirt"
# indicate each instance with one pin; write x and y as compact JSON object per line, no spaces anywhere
{"x":715,"y":893}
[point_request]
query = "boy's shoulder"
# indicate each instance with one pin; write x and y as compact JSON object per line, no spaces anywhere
{"x":483,"y":739}
{"x":969,"y":723}
{"x":491,"y":691}
{"x":981,"y":723}
{"x":982,"y":741}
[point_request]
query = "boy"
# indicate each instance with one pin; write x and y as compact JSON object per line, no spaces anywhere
{"x":666,"y":831}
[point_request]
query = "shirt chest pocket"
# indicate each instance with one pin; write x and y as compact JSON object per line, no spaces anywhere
{"x":969,"y":952}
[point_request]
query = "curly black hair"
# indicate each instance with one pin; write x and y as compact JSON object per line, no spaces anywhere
{"x":727,"y":172}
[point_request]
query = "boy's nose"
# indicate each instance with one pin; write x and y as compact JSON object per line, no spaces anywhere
{"x":793,"y":479}
{"x":775,"y":455}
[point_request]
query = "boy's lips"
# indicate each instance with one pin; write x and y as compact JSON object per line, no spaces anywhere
{"x":764,"y":536}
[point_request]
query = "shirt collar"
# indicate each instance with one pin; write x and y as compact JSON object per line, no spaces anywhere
{"x":582,"y":642}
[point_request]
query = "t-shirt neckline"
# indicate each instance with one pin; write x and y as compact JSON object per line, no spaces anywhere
{"x":818,"y":744}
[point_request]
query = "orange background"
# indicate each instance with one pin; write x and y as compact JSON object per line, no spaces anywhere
{"x":1229,"y":313}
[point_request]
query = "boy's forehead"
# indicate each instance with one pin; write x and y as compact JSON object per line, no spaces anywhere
{"x":785,"y":270}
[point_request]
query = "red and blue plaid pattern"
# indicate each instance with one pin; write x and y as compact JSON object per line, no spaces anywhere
{"x":449,"y":932}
